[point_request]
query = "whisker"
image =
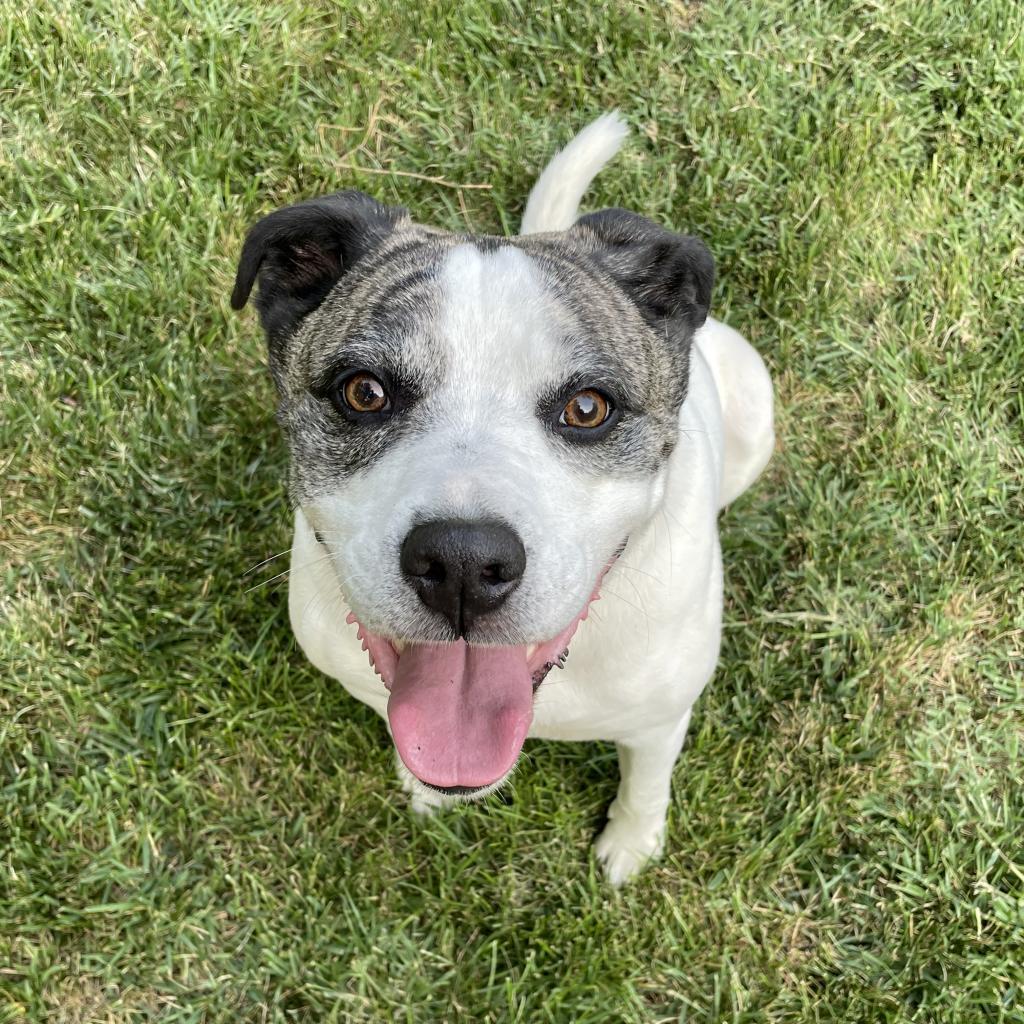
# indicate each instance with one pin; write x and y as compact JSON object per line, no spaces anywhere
{"x":646,"y":613}
{"x":616,"y":594}
{"x":636,"y":591}
{"x":643,"y":572}
{"x":281,"y":575}
{"x":318,"y":596}
{"x":258,"y":565}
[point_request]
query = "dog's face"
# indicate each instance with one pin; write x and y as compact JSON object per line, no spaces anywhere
{"x":476,"y":426}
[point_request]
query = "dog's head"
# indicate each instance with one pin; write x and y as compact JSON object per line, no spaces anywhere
{"x":476,"y":426}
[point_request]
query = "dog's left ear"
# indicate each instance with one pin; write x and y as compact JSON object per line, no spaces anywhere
{"x":299,"y":253}
{"x":668,"y":276}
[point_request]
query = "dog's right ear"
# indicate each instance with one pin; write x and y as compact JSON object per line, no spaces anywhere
{"x":299,"y":253}
{"x":668,"y":276}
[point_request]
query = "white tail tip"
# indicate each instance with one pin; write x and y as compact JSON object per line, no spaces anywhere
{"x":554,"y":201}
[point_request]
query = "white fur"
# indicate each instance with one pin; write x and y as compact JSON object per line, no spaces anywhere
{"x":555,"y":199}
{"x":650,"y":645}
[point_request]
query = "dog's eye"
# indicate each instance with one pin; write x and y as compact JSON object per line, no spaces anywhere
{"x":586,"y":410}
{"x":363,"y":393}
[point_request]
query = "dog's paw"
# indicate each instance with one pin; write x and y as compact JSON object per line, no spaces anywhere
{"x":423,"y":807}
{"x":627,"y":844}
{"x":422,"y":800}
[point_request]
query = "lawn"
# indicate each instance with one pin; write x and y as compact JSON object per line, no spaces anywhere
{"x":196,"y":826}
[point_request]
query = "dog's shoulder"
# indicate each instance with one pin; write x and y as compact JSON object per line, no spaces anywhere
{"x":745,"y":397}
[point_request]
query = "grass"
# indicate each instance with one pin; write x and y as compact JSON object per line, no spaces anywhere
{"x":198,"y":827}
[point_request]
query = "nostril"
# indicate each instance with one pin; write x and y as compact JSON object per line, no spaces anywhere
{"x":426,"y":568}
{"x":435,"y":573}
{"x":493,"y":574}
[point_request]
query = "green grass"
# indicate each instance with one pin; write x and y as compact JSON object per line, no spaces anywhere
{"x":197,"y":826}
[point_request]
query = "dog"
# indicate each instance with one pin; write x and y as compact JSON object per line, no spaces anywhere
{"x":486,"y":436}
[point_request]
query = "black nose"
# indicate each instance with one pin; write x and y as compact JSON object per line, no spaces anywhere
{"x":463,"y":569}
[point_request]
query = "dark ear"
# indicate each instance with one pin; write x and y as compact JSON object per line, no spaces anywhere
{"x":668,"y":276}
{"x":299,"y":253}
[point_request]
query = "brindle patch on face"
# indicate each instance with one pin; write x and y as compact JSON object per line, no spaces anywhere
{"x":380,"y":317}
{"x":618,"y":352}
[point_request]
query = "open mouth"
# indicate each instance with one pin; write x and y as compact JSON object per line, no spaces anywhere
{"x":460,"y":712}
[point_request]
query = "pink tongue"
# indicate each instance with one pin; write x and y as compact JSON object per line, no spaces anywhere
{"x":460,"y":714}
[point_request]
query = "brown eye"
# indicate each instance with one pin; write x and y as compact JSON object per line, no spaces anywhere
{"x":362,"y":392}
{"x":586,"y":410}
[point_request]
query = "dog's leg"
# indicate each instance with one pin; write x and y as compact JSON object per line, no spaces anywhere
{"x":636,"y":818}
{"x":421,"y":800}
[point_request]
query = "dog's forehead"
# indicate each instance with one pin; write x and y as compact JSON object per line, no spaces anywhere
{"x":498,"y":316}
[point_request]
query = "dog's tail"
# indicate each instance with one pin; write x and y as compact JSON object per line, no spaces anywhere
{"x":554,"y":201}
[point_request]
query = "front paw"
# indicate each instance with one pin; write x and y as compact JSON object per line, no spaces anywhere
{"x":422,"y":800}
{"x":627,"y":843}
{"x":423,"y":805}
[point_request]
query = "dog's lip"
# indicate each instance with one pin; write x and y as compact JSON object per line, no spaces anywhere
{"x":384,"y":651}
{"x":398,"y":645}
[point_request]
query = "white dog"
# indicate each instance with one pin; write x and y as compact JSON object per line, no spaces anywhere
{"x":486,"y":435}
